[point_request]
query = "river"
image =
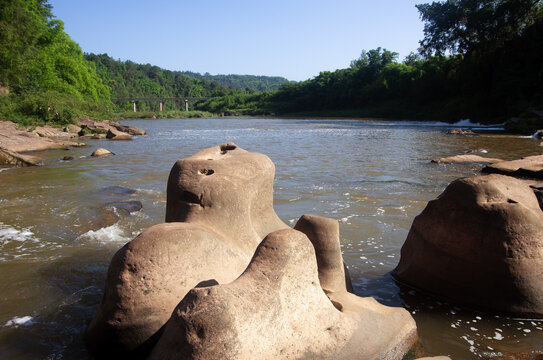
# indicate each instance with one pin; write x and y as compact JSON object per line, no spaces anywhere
{"x":372,"y":176}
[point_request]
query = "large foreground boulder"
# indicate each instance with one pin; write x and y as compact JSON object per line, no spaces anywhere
{"x":277,"y":310}
{"x":290,"y":301}
{"x":479,"y":243}
{"x":219,"y":208}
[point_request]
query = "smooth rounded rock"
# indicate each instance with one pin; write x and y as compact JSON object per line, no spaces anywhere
{"x":101,"y":152}
{"x":479,"y":243}
{"x":219,"y":208}
{"x":277,"y":310}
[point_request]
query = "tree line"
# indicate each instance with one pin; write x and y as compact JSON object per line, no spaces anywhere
{"x":477,"y":59}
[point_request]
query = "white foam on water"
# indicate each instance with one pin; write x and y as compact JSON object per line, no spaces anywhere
{"x":20,"y":321}
{"x":110,"y":234}
{"x":9,"y":234}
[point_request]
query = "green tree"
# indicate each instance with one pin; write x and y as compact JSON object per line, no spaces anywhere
{"x":461,"y":26}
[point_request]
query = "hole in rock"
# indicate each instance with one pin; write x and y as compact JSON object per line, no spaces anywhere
{"x":207,"y":171}
{"x":206,"y":283}
{"x":538,"y":192}
{"x":189,"y":197}
{"x":227,"y":147}
{"x":337,"y":305}
{"x":511,"y":201}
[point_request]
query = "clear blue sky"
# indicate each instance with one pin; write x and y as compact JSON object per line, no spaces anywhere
{"x":295,"y":39}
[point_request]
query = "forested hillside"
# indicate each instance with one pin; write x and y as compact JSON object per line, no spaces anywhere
{"x":128,"y":79}
{"x":478,"y":60}
{"x":43,"y":69}
{"x":249,"y":83}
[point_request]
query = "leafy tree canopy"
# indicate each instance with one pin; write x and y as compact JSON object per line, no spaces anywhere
{"x":375,"y":59}
{"x":461,"y":26}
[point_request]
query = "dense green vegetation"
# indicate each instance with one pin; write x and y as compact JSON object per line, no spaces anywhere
{"x":478,"y":59}
{"x":249,"y":83}
{"x":43,"y":69}
{"x":492,"y":69}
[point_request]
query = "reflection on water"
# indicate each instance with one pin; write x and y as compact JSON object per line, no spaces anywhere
{"x":374,"y":177}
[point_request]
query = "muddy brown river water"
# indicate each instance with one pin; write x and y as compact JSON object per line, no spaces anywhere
{"x":372,"y":176}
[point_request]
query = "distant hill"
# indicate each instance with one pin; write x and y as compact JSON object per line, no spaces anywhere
{"x":243,"y":82}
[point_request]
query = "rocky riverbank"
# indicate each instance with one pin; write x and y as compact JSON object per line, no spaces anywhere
{"x":16,"y":142}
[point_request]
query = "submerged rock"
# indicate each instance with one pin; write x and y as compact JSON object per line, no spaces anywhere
{"x":479,"y":243}
{"x":466,"y":159}
{"x":463,"y":132}
{"x":115,"y":211}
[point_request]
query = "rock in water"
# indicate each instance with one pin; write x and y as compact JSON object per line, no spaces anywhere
{"x":466,"y":159}
{"x":277,"y":310}
{"x":114,"y":134}
{"x":219,"y":208}
{"x":101,"y":152}
{"x":479,"y":243}
{"x":530,"y":166}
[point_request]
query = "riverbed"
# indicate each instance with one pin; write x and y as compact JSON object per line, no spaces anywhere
{"x":372,"y":176}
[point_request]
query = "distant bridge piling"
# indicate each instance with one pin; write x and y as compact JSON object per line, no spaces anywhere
{"x":161,"y":100}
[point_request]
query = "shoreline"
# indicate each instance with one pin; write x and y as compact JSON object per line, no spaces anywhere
{"x":18,"y":143}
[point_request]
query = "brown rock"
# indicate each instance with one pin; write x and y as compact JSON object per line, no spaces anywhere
{"x":530,"y":166}
{"x":466,"y":159}
{"x":117,"y":135}
{"x":104,"y":126}
{"x":479,"y":243}
{"x":49,"y":131}
{"x":73,"y":129}
{"x":224,"y":195}
{"x":13,"y":158}
{"x":21,"y":140}
{"x":228,"y":189}
{"x":464,"y":132}
{"x":277,"y":310}
{"x":324,"y":235}
{"x":101,"y":152}
{"x":131,"y":130}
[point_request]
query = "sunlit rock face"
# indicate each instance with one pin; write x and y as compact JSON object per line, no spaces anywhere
{"x":479,"y":243}
{"x":219,"y":208}
{"x":222,"y":258}
{"x":277,"y":310}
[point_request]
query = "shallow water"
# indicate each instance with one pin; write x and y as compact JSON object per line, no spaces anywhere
{"x":374,"y":177}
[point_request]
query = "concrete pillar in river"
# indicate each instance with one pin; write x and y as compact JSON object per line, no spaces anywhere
{"x":186,"y":105}
{"x":160,"y":105}
{"x":134,"y":102}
